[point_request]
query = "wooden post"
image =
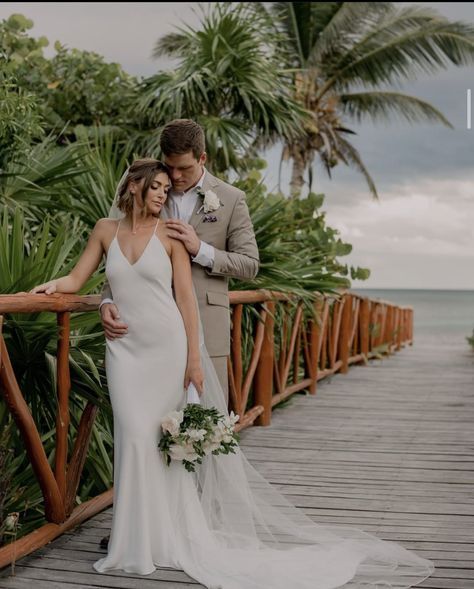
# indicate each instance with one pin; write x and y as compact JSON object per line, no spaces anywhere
{"x":388,"y":335}
{"x":62,"y":416}
{"x":406,"y":336}
{"x":283,"y":341}
{"x":373,"y":323}
{"x":400,"y":330}
{"x":345,"y":332}
{"x":334,"y":332}
{"x":79,"y":455}
{"x":364,"y":326}
{"x":236,"y":350}
{"x":53,"y":500}
{"x":297,"y":353}
{"x":383,"y":324}
{"x":263,"y":380}
{"x":317,"y":332}
{"x":290,"y":351}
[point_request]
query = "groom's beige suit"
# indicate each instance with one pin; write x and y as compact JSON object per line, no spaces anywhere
{"x":235,"y":255}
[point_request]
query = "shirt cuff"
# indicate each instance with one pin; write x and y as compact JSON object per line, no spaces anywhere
{"x":205,"y":255}
{"x":103,"y":301}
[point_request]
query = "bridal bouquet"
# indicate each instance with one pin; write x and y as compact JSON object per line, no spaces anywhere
{"x":194,"y":432}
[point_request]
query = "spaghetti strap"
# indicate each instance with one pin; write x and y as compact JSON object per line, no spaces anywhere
{"x":156,"y":226}
{"x":118,"y":225}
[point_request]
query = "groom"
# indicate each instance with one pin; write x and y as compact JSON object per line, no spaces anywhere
{"x":212,"y":220}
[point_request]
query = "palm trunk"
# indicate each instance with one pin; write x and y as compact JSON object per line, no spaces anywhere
{"x":297,"y":174}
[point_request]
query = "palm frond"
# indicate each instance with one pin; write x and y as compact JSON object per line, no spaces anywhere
{"x":342,"y":27}
{"x":230,"y":67}
{"x":380,"y":106}
{"x":407,"y":41}
{"x":40,"y":176}
{"x":172,"y":44}
{"x":352,"y":157}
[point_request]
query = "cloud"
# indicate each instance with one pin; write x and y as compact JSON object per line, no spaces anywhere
{"x":412,"y":238}
{"x":122,"y":32}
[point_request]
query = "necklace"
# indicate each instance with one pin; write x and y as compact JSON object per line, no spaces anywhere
{"x":134,"y":232}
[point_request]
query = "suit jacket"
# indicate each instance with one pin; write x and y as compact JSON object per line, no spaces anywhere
{"x":236,"y":255}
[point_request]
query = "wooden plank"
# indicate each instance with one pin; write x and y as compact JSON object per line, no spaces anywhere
{"x":386,"y":448}
{"x":26,"y":583}
{"x":40,"y":566}
{"x":112,"y":579}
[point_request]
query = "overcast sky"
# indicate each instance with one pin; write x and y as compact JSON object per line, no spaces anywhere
{"x":421,"y":232}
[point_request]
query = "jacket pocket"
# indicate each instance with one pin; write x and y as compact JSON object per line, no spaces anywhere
{"x":217,"y":298}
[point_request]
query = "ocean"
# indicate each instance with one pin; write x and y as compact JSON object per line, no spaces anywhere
{"x":446,"y":316}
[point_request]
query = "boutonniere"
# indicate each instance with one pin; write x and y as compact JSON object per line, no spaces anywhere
{"x":210,"y":203}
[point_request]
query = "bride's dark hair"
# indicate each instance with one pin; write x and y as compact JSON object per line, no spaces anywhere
{"x":143,"y":169}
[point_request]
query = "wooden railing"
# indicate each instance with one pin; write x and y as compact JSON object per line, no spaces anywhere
{"x":348,"y":329}
{"x":278,"y":362}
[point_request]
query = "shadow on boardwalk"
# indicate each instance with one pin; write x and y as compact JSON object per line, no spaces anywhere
{"x":386,"y":448}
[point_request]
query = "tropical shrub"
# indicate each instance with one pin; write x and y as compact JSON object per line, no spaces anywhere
{"x":72,"y":88}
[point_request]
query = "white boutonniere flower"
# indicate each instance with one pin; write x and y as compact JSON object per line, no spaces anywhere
{"x":211,"y":201}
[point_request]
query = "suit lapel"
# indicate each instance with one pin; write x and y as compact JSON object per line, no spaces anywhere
{"x":196,"y":218}
{"x":210,"y":182}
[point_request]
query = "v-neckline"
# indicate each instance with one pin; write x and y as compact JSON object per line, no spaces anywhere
{"x":144,"y":249}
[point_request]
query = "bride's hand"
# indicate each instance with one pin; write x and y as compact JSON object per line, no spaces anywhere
{"x":195,"y":375}
{"x":47,"y":288}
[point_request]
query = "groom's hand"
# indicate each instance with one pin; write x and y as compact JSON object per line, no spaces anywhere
{"x":111,"y":323}
{"x":185,"y":233}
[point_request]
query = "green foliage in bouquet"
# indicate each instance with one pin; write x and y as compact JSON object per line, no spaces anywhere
{"x":195,"y":432}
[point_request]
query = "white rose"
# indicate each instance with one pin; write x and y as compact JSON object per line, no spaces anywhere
{"x":170,"y":425}
{"x":218,"y":436}
{"x":210,"y":447}
{"x":211,"y":201}
{"x":207,"y":447}
{"x":177,"y":452}
{"x":172,"y":422}
{"x":196,"y":435}
{"x":190,"y":453}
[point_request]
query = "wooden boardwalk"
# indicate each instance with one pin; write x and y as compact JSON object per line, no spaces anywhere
{"x":387,"y":448}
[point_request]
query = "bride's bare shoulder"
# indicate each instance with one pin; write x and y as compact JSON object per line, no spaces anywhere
{"x":162,"y":234}
{"x":105,"y":226}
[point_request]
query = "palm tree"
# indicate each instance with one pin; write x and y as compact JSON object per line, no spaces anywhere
{"x":347,"y":56}
{"x":229,"y":78}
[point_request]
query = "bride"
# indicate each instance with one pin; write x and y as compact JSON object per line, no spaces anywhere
{"x":224,"y":525}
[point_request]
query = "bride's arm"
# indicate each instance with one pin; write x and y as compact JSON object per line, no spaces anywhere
{"x":87,"y":264}
{"x":186,"y":302}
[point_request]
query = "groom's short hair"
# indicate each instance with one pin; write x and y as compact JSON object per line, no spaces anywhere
{"x":182,"y":135}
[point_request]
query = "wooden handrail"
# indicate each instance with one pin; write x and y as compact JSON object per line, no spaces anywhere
{"x":344,"y":329}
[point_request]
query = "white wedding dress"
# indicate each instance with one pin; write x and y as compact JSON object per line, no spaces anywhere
{"x":224,"y":525}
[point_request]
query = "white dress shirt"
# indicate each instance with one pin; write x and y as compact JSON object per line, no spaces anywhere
{"x":182,"y":206}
